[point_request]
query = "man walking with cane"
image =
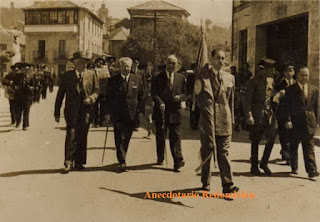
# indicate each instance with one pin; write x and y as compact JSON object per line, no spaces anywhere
{"x":81,"y":88}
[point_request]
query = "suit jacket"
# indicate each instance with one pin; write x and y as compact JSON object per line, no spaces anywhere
{"x":255,"y":99}
{"x":303,"y":115}
{"x":23,"y":85}
{"x":124,"y":100}
{"x":70,"y":87}
{"x":162,"y":94}
{"x":221,"y":98}
{"x":281,"y":85}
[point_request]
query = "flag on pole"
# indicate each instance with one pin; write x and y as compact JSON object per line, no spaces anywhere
{"x":202,"y":58}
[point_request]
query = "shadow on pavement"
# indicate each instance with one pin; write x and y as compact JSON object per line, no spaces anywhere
{"x":168,"y":200}
{"x":101,"y":148}
{"x":109,"y":168}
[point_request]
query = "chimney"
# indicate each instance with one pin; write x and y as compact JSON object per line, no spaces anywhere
{"x":11,"y":5}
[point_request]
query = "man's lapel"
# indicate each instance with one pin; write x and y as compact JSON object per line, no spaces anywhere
{"x":300,"y":93}
{"x":309,"y":94}
{"x":76,"y":80}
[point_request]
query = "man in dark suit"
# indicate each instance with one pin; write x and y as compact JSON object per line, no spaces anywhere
{"x":286,"y":81}
{"x":301,"y":112}
{"x":81,"y":88}
{"x":214,"y":90}
{"x":259,"y":115}
{"x":168,"y":90}
{"x":45,"y":81}
{"x":124,"y":101}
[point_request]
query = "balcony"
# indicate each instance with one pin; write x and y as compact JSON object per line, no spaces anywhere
{"x":40,"y":57}
{"x":61,"y":56}
{"x":69,"y":28}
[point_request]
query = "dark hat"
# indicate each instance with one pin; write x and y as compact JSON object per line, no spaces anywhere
{"x":16,"y":66}
{"x":135,"y":59}
{"x":26,"y":65}
{"x":110,"y":58}
{"x":80,"y":55}
{"x":267,"y":62}
{"x":101,"y":60}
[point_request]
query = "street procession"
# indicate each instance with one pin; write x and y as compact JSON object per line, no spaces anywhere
{"x":131,"y":110}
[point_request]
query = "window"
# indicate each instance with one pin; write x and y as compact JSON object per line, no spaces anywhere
{"x":75,"y":16}
{"x":89,"y":24}
{"x":53,"y":17}
{"x":61,"y":17}
{"x":70,"y":17}
{"x":29,"y":17}
{"x":36,"y":17}
{"x":3,"y":47}
{"x":62,"y":49}
{"x":41,"y":49}
{"x":45,"y":17}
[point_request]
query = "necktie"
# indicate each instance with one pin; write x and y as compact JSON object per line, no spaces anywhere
{"x":170,"y":82}
{"x":305,"y":93}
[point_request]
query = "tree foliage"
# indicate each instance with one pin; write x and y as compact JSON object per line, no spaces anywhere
{"x":172,"y":37}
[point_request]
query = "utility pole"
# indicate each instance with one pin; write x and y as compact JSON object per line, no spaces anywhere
{"x":155,"y":40}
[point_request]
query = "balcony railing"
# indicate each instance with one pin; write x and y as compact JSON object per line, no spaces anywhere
{"x":39,"y":56}
{"x":61,"y":55}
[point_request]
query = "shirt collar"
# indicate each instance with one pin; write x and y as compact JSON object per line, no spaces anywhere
{"x":301,"y":86}
{"x":215,"y":71}
{"x":168,"y":74}
{"x":125,"y":77}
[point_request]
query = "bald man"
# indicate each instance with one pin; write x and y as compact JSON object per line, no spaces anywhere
{"x":168,"y":90}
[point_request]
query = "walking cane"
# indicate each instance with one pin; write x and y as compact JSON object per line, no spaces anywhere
{"x":105,"y":141}
{"x":165,"y":135}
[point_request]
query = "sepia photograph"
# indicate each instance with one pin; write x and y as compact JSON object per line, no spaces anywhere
{"x":159,"y":110}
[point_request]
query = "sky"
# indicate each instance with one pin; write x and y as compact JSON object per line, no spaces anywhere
{"x":218,"y":11}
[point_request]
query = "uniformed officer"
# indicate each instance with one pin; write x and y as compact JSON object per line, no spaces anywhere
{"x":259,"y":114}
{"x":38,"y":84}
{"x":10,"y":91}
{"x":24,"y":85}
{"x":45,"y":81}
{"x":214,"y":90}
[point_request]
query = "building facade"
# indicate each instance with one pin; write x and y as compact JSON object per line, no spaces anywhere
{"x":147,"y":12}
{"x":281,"y":30}
{"x":56,"y":29}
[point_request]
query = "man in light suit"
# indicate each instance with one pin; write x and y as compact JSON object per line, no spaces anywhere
{"x":124,"y":100}
{"x":214,"y":90}
{"x":81,"y":88}
{"x":167,"y":91}
{"x":301,"y":112}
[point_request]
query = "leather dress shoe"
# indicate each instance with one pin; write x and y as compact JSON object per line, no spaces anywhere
{"x":255,"y":171}
{"x":205,"y":187}
{"x":159,"y":162}
{"x":265,"y":168}
{"x":122,"y":167}
{"x":67,"y":169}
{"x":294,"y":172}
{"x":230,"y":189}
{"x":313,"y":174}
{"x":178,"y":165}
{"x":79,"y":166}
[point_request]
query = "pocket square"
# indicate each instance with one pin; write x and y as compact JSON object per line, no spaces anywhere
{"x":134,"y":87}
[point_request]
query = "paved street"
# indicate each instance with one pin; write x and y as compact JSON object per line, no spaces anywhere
{"x":32,"y":187}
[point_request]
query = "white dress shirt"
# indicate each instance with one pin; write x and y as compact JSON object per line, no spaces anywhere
{"x":170,"y":77}
{"x":126,"y":78}
{"x":304,"y":88}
